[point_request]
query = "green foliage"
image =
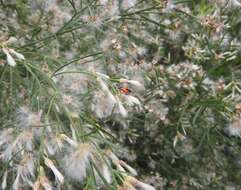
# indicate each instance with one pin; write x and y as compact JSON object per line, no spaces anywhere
{"x":89,"y":86}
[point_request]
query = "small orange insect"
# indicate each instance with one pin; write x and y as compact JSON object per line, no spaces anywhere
{"x":124,"y":90}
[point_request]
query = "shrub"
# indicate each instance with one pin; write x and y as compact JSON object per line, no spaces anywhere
{"x":91,"y":90}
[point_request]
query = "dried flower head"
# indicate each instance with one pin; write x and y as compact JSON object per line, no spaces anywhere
{"x":77,"y":161}
{"x":26,"y":119}
{"x":234,"y":128}
{"x":25,"y":172}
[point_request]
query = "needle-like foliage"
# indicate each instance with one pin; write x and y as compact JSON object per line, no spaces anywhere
{"x":120,"y":94}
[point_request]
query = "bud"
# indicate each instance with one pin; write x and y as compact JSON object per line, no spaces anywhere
{"x":56,"y":172}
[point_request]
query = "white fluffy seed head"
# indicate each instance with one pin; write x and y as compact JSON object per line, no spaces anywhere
{"x":23,"y":142}
{"x":103,"y":104}
{"x":132,"y":101}
{"x":234,"y":129}
{"x":120,"y":109}
{"x":102,"y":172}
{"x":126,"y":4}
{"x":6,"y":136}
{"x":77,"y":162}
{"x":25,"y":172}
{"x":25,"y":118}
